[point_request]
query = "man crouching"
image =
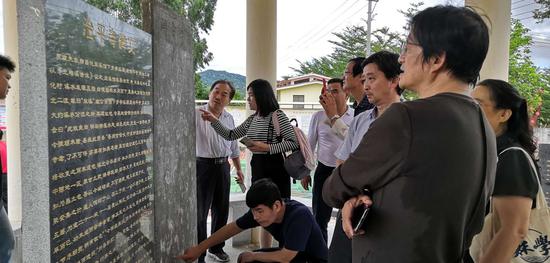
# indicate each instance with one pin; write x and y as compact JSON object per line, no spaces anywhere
{"x":290,"y":222}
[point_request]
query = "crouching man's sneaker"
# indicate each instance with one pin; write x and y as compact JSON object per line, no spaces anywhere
{"x":219,"y":256}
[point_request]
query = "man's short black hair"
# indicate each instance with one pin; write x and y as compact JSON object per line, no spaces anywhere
{"x":459,"y":32}
{"x":357,"y":69}
{"x":263,"y":192}
{"x":5,"y":62}
{"x":336,"y":80}
{"x":228,"y":83}
{"x":387,"y":62}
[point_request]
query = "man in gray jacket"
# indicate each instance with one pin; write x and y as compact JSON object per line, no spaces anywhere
{"x":428,"y":164}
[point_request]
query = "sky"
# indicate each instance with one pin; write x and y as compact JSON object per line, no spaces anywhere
{"x":2,"y":28}
{"x":305,"y":26}
{"x":303,"y":29}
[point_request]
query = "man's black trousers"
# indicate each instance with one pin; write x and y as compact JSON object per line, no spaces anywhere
{"x":213,"y":183}
{"x":321,"y":210}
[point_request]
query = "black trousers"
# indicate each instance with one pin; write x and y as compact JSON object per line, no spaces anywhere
{"x":271,"y":166}
{"x":4,"y":190}
{"x":340,"y":246}
{"x":213,"y":183}
{"x":321,"y":210}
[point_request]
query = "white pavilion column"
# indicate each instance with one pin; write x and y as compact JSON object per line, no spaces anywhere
{"x":498,"y":12}
{"x":261,"y":40}
{"x":12,"y":109}
{"x":261,"y":53}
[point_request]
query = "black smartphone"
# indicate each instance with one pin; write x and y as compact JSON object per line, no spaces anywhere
{"x":360,"y":214}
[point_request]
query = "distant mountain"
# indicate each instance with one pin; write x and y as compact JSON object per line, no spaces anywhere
{"x":210,"y":76}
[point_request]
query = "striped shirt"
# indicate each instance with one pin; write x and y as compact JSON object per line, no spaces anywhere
{"x":261,"y":129}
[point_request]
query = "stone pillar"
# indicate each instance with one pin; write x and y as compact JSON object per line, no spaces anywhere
{"x":498,"y":14}
{"x":12,"y":109}
{"x":35,"y":221}
{"x":261,"y":51}
{"x":174,"y":134}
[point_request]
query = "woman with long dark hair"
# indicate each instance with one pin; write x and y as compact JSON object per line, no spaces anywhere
{"x":516,"y":184}
{"x":262,"y":140}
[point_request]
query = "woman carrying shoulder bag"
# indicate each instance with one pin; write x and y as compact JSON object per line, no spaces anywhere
{"x":261,"y":139}
{"x":516,"y":182}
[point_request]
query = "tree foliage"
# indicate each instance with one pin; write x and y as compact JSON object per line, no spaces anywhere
{"x":543,"y":12}
{"x":125,"y":10}
{"x":523,"y":74}
{"x":201,"y":90}
{"x":200,"y":14}
{"x":409,"y":13}
{"x":544,"y":117}
{"x":351,"y":42}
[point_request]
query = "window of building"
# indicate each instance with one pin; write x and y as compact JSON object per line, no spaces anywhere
{"x":298,"y":98}
{"x":306,"y":80}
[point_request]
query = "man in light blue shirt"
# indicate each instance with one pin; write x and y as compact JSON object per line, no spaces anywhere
{"x":213,"y":172}
{"x":323,"y":138}
{"x":381,"y":73}
{"x":357,"y":129}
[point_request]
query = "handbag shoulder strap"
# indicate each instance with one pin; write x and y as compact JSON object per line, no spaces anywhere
{"x":541,"y":200}
{"x":276,"y":125}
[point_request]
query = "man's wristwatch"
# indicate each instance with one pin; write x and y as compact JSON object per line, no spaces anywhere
{"x":335,"y":117}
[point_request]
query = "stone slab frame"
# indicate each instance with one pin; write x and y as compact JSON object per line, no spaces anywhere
{"x":174,"y":134}
{"x":34,"y":136}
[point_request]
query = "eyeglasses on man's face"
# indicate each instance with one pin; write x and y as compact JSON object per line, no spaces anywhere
{"x":404,"y":46}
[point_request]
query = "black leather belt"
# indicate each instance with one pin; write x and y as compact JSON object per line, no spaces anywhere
{"x":220,"y":160}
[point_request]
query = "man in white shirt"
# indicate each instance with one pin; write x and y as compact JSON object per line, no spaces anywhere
{"x":322,"y":138}
{"x":213,"y":171}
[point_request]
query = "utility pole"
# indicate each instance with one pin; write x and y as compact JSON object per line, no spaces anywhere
{"x":369,"y":22}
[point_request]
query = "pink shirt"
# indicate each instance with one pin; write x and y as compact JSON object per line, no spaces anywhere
{"x":4,"y":157}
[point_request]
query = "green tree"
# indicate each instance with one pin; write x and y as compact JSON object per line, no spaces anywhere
{"x":543,"y":12}
{"x":201,"y":90}
{"x":199,"y":12}
{"x":544,"y":118}
{"x":126,"y":10}
{"x":523,"y":74}
{"x":409,"y":13}
{"x":350,"y":43}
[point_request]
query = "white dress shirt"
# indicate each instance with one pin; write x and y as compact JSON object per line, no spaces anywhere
{"x":323,"y":138}
{"x":209,"y":143}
